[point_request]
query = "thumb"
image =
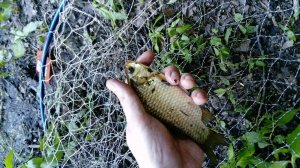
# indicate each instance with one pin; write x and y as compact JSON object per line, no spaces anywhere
{"x":131,"y":104}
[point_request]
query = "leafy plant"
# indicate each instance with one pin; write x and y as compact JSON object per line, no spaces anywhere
{"x":289,"y":33}
{"x":182,"y":42}
{"x":264,"y":137}
{"x":5,"y":10}
{"x":111,"y":10}
{"x":18,"y":49}
{"x":221,"y":51}
{"x":244,"y":28}
{"x":9,"y":160}
{"x":252,"y":63}
{"x":52,"y":155}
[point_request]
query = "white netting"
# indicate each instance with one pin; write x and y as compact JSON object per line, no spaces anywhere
{"x":259,"y":76}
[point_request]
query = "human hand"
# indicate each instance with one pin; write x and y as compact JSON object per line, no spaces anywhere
{"x":149,"y":140}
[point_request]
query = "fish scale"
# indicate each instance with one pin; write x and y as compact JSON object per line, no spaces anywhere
{"x":161,"y":101}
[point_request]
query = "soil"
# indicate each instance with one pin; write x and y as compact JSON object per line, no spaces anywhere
{"x":20,"y":127}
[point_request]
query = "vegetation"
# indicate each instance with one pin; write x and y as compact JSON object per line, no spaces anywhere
{"x":263,"y":145}
{"x":272,"y":137}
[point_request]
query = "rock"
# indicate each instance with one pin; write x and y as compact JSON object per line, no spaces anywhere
{"x":244,"y":47}
{"x":288,"y":44}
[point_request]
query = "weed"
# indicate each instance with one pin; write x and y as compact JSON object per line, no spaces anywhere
{"x":264,"y":137}
{"x":6,"y":9}
{"x":112,"y":10}
{"x":183,"y":42}
{"x":9,"y":160}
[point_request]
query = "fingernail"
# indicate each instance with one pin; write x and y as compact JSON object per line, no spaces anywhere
{"x":187,"y":77}
{"x":199,"y":94}
{"x":175,"y":77}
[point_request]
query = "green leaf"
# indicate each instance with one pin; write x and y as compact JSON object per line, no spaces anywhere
{"x":119,"y":16}
{"x":224,"y":80}
{"x":59,"y":155}
{"x":291,"y":35}
{"x":2,"y":64}
{"x":227,"y":34}
{"x":5,"y":74}
{"x":183,"y":29}
{"x":231,"y":98}
{"x":251,"y":137}
{"x":263,"y":144}
{"x":243,"y":29}
{"x":223,"y":125}
{"x":293,"y":160}
{"x":5,"y":14}
{"x":230,"y":153}
{"x":171,"y":32}
{"x":32,"y":26}
{"x":185,"y":38}
{"x":258,"y":162}
{"x":280,"y":151}
{"x":222,"y":66}
{"x":217,"y":52}
{"x":9,"y":159}
{"x":41,"y":40}
{"x":5,"y":4}
{"x":187,"y":56}
{"x":243,"y":155}
{"x":260,"y":63}
{"x":18,"y":34}
{"x":105,"y":13}
{"x":18,"y":49}
{"x":286,"y":117}
{"x":215,"y":41}
{"x":238,"y":17}
{"x":35,"y":162}
{"x":279,"y":139}
{"x":220,"y":92}
{"x":215,"y":31}
{"x":279,"y":164}
{"x":251,"y":66}
{"x":251,"y":29}
{"x":293,"y":140}
{"x":41,"y":146}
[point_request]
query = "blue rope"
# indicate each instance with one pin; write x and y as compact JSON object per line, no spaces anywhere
{"x":43,"y":62}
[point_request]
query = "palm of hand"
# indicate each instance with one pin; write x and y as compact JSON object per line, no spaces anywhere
{"x":152,"y":144}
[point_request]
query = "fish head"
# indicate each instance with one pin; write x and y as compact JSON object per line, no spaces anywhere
{"x":136,"y":73}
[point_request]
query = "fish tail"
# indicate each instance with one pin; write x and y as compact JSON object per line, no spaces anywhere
{"x":214,"y":139}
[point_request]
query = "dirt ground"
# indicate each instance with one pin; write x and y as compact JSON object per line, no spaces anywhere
{"x":20,"y":127}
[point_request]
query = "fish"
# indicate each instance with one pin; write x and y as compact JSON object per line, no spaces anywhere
{"x":172,"y":106}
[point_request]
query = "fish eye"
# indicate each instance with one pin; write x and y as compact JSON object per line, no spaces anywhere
{"x":131,"y":70}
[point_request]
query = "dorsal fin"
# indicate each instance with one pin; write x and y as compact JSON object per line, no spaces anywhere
{"x":214,"y":139}
{"x":206,"y":115}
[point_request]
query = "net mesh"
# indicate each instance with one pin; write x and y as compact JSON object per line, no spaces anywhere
{"x":244,"y":53}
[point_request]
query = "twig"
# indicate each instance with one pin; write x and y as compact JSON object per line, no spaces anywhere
{"x":296,"y":9}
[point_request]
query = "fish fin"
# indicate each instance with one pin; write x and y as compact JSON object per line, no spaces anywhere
{"x":206,"y":116}
{"x":214,"y":139}
{"x":211,"y":155}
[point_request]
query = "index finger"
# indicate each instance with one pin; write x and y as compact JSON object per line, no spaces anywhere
{"x":146,"y":58}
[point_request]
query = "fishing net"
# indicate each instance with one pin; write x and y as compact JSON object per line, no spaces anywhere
{"x":244,"y":53}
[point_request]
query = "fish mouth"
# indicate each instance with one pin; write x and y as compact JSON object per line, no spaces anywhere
{"x":126,"y":68}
